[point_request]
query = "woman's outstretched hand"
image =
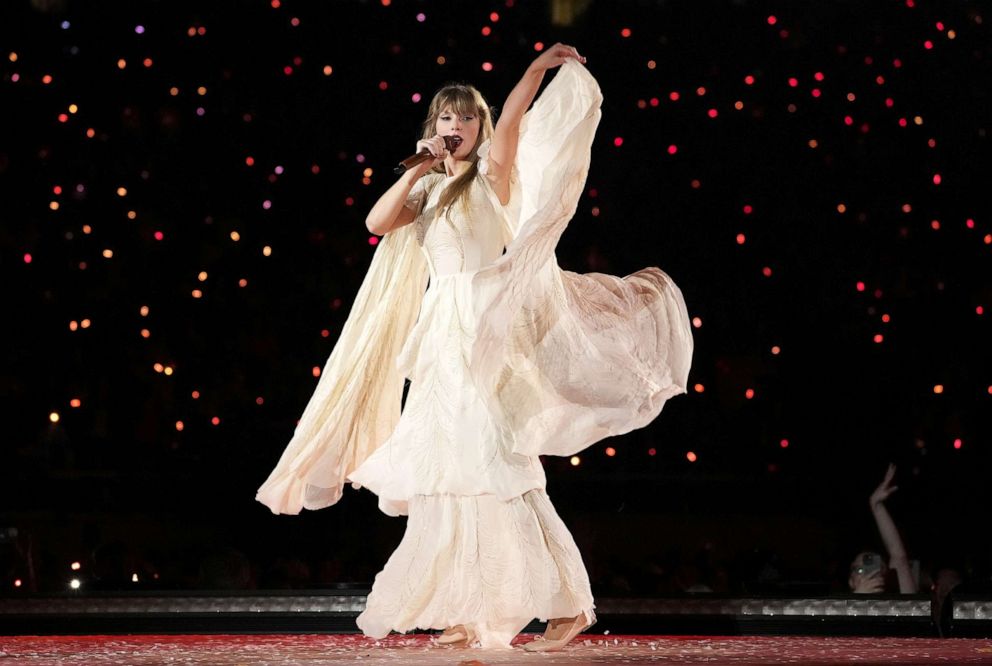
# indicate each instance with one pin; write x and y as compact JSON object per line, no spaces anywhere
{"x":885,"y":488}
{"x":555,"y":56}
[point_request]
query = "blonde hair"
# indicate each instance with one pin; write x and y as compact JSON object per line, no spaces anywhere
{"x":461,"y":99}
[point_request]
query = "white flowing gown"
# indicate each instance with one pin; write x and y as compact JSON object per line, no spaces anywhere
{"x":509,"y":357}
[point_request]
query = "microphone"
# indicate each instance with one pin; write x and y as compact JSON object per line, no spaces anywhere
{"x":450,"y":142}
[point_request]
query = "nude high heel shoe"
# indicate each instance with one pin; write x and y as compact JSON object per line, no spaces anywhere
{"x":456,"y":636}
{"x":559,"y":633}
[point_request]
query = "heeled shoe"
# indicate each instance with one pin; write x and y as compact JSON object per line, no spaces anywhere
{"x":559,"y":633}
{"x":456,"y":636}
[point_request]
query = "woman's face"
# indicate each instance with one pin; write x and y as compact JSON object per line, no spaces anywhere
{"x":466,"y":125}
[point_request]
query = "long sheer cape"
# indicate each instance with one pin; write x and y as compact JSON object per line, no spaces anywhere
{"x":564,"y":359}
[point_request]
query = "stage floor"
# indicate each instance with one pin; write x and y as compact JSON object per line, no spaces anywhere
{"x":258,"y":650}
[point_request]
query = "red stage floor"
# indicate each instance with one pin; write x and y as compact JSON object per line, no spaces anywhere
{"x":257,"y":650}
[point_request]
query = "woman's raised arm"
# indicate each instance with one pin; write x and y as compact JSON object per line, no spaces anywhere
{"x":503,"y":150}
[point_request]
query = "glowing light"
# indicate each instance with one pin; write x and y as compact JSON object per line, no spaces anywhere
{"x":315,"y":371}
{"x":134,"y":578}
{"x":75,"y":402}
{"x":749,"y":80}
{"x":145,"y":333}
{"x":936,"y":179}
{"x":486,"y":31}
{"x":712,"y":113}
{"x":195,"y":395}
{"x":772,"y":20}
{"x":841,"y":208}
{"x":421,"y":17}
{"x":259,"y":400}
{"x":740,"y":239}
{"x":235,"y":236}
{"x":625,"y":32}
{"x":784,"y":444}
{"x":672,"y":149}
{"x":698,"y":388}
{"x":487,"y":67}
{"x":879,"y":338}
{"x":27,"y":258}
{"x":860,"y":286}
{"x":494,"y":17}
{"x":17,"y":582}
{"x":618,"y":141}
{"x":793,"y":82}
{"x":701,"y":90}
{"x":886,"y":318}
{"x":979,"y":310}
{"x":415,"y":97}
{"x":575,"y":460}
{"x":776,"y":350}
{"x":215,"y":420}
{"x":652,"y":452}
{"x":928,"y":45}
{"x":158,"y":367}
{"x":202,"y":276}
{"x":691,"y":457}
{"x":373,"y":240}
{"x":143,"y":311}
{"x":610,"y":451}
{"x":122,"y":63}
{"x":749,"y":394}
{"x":267,"y":251}
{"x":957,"y":443}
{"x":938,"y":389}
{"x":196,"y":293}
{"x":140,"y":29}
{"x":674,"y":96}
{"x":818,"y":76}
{"x":538,"y":46}
{"x":74,"y":584}
{"x":766,"y":271}
{"x":697,"y":322}
{"x":328,"y":70}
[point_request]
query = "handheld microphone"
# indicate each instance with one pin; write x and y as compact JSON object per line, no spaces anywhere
{"x":450,"y":142}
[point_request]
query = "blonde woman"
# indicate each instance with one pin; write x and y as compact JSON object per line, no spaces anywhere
{"x":509,"y":358}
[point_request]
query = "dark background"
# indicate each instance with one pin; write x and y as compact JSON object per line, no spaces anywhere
{"x":115,"y":485}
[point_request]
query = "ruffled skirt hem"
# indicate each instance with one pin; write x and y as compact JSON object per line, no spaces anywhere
{"x":489,"y":564}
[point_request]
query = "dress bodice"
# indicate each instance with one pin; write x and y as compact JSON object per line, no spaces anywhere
{"x":464,"y":238}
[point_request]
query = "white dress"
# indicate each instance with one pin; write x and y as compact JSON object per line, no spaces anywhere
{"x":509,"y":357}
{"x":483,"y":545}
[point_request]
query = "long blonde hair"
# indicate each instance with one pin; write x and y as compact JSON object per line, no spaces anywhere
{"x":462,"y":99}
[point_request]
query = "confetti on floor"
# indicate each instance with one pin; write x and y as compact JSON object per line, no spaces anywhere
{"x":259,"y":650}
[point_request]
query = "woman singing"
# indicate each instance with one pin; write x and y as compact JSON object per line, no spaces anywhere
{"x":509,"y":357}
